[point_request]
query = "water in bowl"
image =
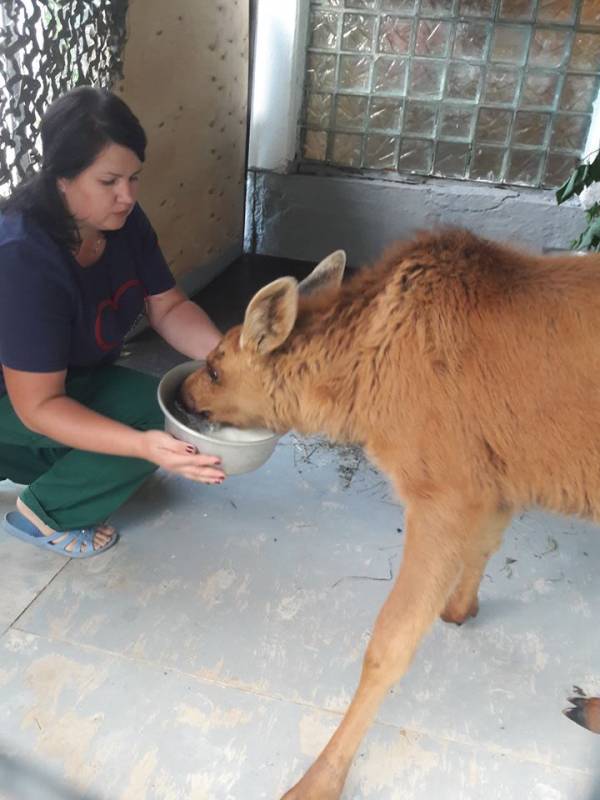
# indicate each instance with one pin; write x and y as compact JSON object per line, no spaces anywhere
{"x":215,"y":430}
{"x":196,"y":422}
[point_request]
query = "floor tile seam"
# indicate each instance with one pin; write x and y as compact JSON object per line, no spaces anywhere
{"x":34,"y":599}
{"x":483,"y":747}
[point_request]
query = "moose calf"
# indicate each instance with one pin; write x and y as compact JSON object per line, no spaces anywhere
{"x":470,"y":373}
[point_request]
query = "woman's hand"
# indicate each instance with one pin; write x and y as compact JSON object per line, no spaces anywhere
{"x":180,"y":457}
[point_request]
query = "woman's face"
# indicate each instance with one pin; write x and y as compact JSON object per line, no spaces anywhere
{"x":103,"y":194}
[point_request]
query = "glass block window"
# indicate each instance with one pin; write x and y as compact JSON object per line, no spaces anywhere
{"x":487,"y":90}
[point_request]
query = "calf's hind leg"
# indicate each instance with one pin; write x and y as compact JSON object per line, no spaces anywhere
{"x":463,"y":602}
{"x":431,"y":567}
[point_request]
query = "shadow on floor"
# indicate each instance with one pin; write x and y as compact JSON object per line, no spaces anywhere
{"x":21,"y":780}
{"x":224,"y":300}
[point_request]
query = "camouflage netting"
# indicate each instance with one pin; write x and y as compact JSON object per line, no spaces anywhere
{"x":46,"y":48}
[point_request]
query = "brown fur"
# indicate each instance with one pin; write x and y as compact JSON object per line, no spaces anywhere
{"x":470,"y":373}
{"x":585,"y":711}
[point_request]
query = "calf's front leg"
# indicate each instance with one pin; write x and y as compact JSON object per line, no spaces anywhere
{"x":431,"y":566}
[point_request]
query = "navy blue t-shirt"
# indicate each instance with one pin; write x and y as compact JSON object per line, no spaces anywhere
{"x":56,"y":314}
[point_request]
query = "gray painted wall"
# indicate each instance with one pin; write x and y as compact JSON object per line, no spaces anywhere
{"x":307,"y":216}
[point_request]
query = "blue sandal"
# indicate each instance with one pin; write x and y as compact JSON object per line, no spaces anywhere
{"x":18,"y":525}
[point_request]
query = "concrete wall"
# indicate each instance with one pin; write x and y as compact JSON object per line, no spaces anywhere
{"x":307,"y":216}
{"x":185,"y":76}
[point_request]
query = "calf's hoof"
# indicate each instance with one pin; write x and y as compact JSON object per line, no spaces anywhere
{"x":299,"y":792}
{"x":317,"y":784}
{"x":585,"y":712}
{"x":458,"y":614}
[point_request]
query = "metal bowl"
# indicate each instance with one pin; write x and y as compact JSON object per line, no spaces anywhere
{"x":236,"y":457}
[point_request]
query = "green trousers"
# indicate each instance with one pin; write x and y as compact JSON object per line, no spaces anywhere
{"x":70,"y":488}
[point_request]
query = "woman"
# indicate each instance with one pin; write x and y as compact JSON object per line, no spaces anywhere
{"x":79,"y":262}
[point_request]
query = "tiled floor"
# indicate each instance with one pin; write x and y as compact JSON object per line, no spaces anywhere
{"x":210,"y":654}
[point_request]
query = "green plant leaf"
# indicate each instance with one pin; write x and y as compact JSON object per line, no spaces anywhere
{"x":594,"y":169}
{"x":590,"y":237}
{"x":580,"y":178}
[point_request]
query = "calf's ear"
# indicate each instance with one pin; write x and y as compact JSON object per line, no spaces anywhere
{"x":328,"y":273}
{"x":270,"y":316}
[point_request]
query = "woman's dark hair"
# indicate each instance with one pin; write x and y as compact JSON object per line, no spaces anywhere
{"x":74,"y":130}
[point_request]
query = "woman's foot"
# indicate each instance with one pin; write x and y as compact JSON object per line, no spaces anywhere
{"x":103,"y":535}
